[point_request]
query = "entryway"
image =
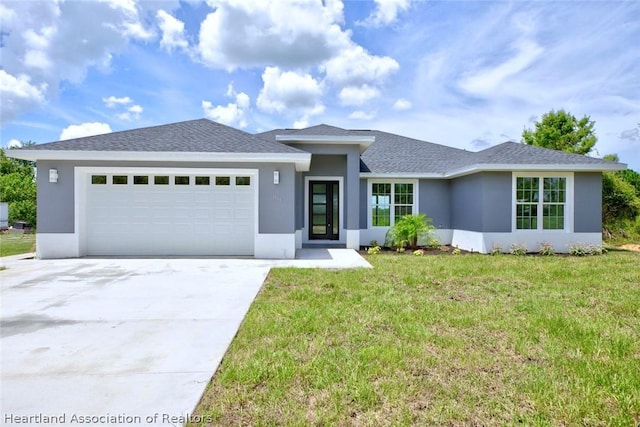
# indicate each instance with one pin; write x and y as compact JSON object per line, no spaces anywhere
{"x":324,"y":210}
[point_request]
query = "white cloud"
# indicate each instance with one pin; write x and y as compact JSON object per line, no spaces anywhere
{"x":132,"y":113}
{"x":358,"y":95}
{"x":302,"y":123}
{"x":172,"y":32}
{"x":355,"y":66}
{"x":132,"y":25}
{"x":386,"y":12}
{"x":18,"y":95}
{"x":234,"y":113}
{"x":51,"y":41}
{"x":84,"y":129}
{"x":363,"y":115}
{"x":487,"y":80}
{"x":113,"y":101}
{"x":290,"y":92}
{"x":6,"y":15}
{"x":287,"y":34}
{"x":14,"y":143}
{"x":402,"y":104}
{"x":128,"y":112}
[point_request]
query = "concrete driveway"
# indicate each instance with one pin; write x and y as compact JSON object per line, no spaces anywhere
{"x":122,"y":341}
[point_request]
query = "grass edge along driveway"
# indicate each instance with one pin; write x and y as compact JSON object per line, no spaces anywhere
{"x":16,"y":244}
{"x":439,"y":340}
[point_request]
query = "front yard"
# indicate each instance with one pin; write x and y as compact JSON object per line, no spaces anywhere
{"x":439,"y":340}
{"x":14,"y":244}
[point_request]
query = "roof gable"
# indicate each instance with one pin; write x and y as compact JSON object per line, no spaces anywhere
{"x":195,"y":136}
{"x":516,"y":153}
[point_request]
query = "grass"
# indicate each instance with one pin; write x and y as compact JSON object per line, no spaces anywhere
{"x":438,"y":340}
{"x":14,"y":244}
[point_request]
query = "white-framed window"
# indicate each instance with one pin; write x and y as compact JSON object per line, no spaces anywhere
{"x":390,"y":200}
{"x":542,"y":201}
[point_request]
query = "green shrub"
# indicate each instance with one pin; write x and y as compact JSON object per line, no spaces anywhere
{"x":619,"y":199}
{"x":18,"y":188}
{"x":418,"y":252}
{"x":546,"y":249}
{"x":496,"y":249}
{"x":408,"y":229}
{"x":374,"y":250}
{"x":580,"y":249}
{"x":518,"y":249}
{"x":456,"y":251}
{"x":433,"y":243}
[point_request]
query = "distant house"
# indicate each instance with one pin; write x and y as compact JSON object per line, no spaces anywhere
{"x":203,"y":188}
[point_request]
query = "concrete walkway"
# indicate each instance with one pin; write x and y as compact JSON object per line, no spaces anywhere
{"x":121,"y":340}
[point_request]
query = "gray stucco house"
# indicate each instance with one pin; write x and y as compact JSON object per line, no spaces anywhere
{"x":203,"y":188}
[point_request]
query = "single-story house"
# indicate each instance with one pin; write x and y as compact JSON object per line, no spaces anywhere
{"x":202,"y":188}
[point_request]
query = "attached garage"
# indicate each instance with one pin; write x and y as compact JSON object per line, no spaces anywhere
{"x":170,"y":212}
{"x":194,"y":188}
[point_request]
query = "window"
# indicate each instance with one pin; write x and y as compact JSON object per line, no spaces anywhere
{"x":119,"y":179}
{"x":98,"y":179}
{"x":140,"y":180}
{"x":223,"y":180}
{"x":540,"y":203}
{"x":403,"y":200}
{"x":181,"y":180}
{"x":161,"y":180}
{"x":243,"y":180}
{"x":390,"y":202}
{"x":380,"y":205}
{"x":203,"y":180}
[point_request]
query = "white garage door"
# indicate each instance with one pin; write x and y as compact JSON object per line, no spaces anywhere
{"x":170,"y":214}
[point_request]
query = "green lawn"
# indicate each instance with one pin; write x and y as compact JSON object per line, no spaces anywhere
{"x":14,"y":244}
{"x":439,"y":340}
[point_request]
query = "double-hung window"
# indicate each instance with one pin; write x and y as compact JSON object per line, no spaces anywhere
{"x":390,"y":201}
{"x":541,"y":202}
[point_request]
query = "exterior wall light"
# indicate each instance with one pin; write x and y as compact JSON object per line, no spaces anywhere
{"x":53,"y":175}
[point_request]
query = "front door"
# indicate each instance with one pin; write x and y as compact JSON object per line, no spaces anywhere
{"x":324,"y":210}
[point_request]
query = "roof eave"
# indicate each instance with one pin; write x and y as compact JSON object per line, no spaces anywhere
{"x":362,"y":141}
{"x":302,"y":161}
{"x":546,"y":167}
{"x":401,"y":175}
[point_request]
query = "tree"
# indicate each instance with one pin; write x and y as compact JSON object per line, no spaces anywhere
{"x":619,"y":199}
{"x":560,"y":130}
{"x":629,"y":175}
{"x":620,"y":202}
{"x":18,"y":188}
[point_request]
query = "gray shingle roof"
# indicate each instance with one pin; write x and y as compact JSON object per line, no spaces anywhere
{"x":391,"y":153}
{"x":515,"y":153}
{"x":199,"y":136}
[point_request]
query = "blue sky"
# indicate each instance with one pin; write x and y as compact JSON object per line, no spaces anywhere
{"x":464,"y":74}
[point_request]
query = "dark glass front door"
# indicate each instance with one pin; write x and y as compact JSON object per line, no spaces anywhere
{"x":323,"y":210}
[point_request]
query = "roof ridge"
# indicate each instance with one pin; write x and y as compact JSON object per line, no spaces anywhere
{"x":115,"y":132}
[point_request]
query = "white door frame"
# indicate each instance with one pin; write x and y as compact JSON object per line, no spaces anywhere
{"x":305,"y":230}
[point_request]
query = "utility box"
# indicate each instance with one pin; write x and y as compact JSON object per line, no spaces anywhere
{"x":4,"y":215}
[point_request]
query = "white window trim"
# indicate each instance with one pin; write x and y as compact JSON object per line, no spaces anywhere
{"x":568,"y":204}
{"x":370,"y":182}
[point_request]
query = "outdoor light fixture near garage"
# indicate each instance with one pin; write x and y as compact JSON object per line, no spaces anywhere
{"x":53,"y":175}
{"x":276,"y":177}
